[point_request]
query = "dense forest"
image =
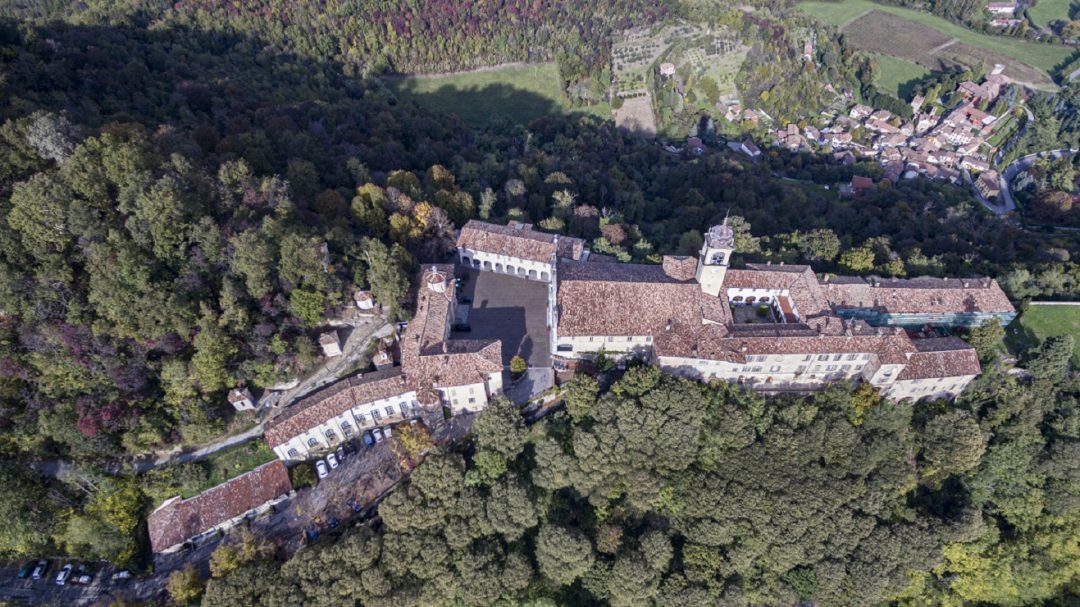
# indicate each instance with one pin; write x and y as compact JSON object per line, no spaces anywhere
{"x":185,"y":199}
{"x":662,"y":491}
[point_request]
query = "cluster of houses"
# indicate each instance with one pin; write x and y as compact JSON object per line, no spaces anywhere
{"x":773,"y":328}
{"x":1003,"y":14}
{"x":939,"y":145}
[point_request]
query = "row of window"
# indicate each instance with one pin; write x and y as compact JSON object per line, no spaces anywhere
{"x":760,"y":358}
{"x":405,"y":409}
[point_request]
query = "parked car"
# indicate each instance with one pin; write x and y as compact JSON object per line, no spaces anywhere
{"x":349,"y":448}
{"x":332,"y":460}
{"x":377,"y":433}
{"x":369,"y":440}
{"x":311,"y":533}
{"x":321,"y":469}
{"x":40,"y":569}
{"x":123,"y":574}
{"x":24,"y":571}
{"x":352,"y":503}
{"x":332,"y":521}
{"x":388,"y":431}
{"x":82,"y":580}
{"x":64,"y":574}
{"x":461,"y":327}
{"x":466,"y":300}
{"x":340,"y":453}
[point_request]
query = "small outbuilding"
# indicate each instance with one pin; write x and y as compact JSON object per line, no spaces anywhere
{"x":331,"y":345}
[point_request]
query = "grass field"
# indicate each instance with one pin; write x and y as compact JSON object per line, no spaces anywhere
{"x":233,"y":462}
{"x":1041,"y":56}
{"x":520,"y":93}
{"x":1040,"y":322}
{"x":893,"y":73}
{"x":1048,"y":10}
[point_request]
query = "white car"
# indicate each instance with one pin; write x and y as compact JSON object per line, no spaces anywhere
{"x":388,"y":432}
{"x":332,"y":460}
{"x":378,"y":434}
{"x":121,"y":575}
{"x":40,"y":569}
{"x":65,"y":573}
{"x":321,"y":469}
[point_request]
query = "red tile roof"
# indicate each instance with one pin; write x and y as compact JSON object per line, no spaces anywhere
{"x":178,"y":520}
{"x":625,"y":299}
{"x":923,"y":295}
{"x":516,"y":240}
{"x":335,"y":400}
{"x":711,"y":342}
{"x":941,"y":357}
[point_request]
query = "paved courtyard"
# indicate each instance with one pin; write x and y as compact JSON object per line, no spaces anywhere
{"x":512,"y":310}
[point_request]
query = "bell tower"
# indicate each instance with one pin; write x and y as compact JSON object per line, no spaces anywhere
{"x":714,"y":258}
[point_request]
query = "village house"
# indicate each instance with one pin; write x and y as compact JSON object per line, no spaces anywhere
{"x":1002,"y":8}
{"x":331,"y":345}
{"x":240,"y":399}
{"x":177,"y":521}
{"x":364,"y":300}
{"x":859,"y":111}
{"x":988,"y":184}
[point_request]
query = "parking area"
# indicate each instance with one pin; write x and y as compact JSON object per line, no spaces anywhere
{"x":509,"y":309}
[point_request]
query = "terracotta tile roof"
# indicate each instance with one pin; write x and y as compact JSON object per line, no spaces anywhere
{"x":680,"y":267}
{"x":514,"y":240}
{"x":923,"y":295}
{"x":711,"y":342}
{"x":623,"y":299}
{"x":941,"y":357}
{"x":178,"y":520}
{"x":800,"y":282}
{"x":571,"y":248}
{"x":428,"y":357}
{"x":334,"y":400}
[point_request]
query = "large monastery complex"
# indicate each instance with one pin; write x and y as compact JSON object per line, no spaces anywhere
{"x":768,"y":327}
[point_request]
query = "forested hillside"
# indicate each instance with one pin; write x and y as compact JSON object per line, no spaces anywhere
{"x":213,"y":184}
{"x":663,"y":491}
{"x":186,"y":198}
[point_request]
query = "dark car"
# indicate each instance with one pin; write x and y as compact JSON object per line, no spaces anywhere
{"x":461,"y":327}
{"x":340,"y":453}
{"x":332,"y":521}
{"x":311,"y":533}
{"x":465,"y":300}
{"x":24,"y":571}
{"x":350,"y":449}
{"x":354,"y":505}
{"x":369,"y":440}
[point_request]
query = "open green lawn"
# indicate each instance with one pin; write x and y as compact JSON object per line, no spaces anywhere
{"x":1048,"y":10}
{"x":1042,"y":56}
{"x":893,"y":73}
{"x":1040,"y":322}
{"x":520,"y":93}
{"x":234,"y":461}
